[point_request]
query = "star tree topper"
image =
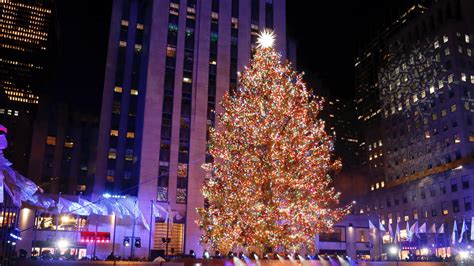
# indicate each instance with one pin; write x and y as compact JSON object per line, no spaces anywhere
{"x":266,"y":39}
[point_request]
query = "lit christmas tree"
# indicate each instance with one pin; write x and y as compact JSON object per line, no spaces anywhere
{"x":270,"y":183}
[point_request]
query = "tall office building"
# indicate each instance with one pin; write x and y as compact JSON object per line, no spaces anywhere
{"x":169,"y":63}
{"x":367,"y":96}
{"x":425,"y":82}
{"x":24,"y":40}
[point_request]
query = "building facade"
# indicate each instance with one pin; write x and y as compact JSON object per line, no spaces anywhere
{"x":63,"y":148}
{"x":25,"y":41}
{"x":168,"y":64}
{"x":425,"y":81}
{"x":367,"y":97}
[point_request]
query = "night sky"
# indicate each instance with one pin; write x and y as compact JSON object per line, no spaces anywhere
{"x":328,"y":34}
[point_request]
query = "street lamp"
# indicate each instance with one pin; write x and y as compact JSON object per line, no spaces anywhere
{"x":394,"y":252}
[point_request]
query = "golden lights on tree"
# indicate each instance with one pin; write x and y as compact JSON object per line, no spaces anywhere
{"x":270,"y":185}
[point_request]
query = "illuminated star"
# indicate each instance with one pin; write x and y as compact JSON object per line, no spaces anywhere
{"x":266,"y":39}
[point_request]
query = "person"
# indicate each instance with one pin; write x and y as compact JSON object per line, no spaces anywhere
{"x":111,"y":256}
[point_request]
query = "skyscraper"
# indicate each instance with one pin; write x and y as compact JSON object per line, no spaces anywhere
{"x":424,"y":83}
{"x":24,"y":38}
{"x":168,"y":64}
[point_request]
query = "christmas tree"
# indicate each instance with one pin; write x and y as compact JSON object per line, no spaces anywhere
{"x":270,"y":185}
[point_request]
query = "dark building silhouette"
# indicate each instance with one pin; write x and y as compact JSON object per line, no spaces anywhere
{"x":25,"y":29}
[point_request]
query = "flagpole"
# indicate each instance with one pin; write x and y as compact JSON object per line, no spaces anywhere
{"x":381,"y":240}
{"x":95,"y":235}
{"x":57,"y":219}
{"x":132,"y":250}
{"x":167,"y":230}
{"x":445,"y":244}
{"x":151,"y":223}
{"x":113,"y":241}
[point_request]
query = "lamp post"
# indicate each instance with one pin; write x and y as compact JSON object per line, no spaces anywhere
{"x":394,"y":251}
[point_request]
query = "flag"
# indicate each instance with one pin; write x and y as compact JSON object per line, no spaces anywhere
{"x":409,"y":232}
{"x":390,"y":231}
{"x":422,"y":229}
{"x":144,"y":222}
{"x":94,"y":208}
{"x":472,"y":228}
{"x":170,"y":218}
{"x":441,"y":229}
{"x":455,"y":232}
{"x":433,"y":229}
{"x":415,"y":230}
{"x":371,"y":225}
{"x":463,"y":230}
{"x":381,"y":227}
{"x":68,"y":206}
{"x":159,"y":211}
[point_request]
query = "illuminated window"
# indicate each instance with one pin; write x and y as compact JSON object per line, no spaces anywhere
{"x":139,"y":26}
{"x":463,"y":77}
{"x":235,"y":23}
{"x":445,"y":208}
{"x":427,"y":135}
{"x":436,"y":44}
{"x":213,"y":62}
{"x":110,"y":178}
{"x":182,"y":170}
{"x":118,"y":89}
{"x":130,"y":135}
{"x":450,"y":78}
{"x":443,"y":112}
{"x":114,"y":133}
{"x":460,"y":49}
{"x":124,"y":23}
{"x":382,"y":184}
{"x":471,"y":138}
{"x":123,"y":44}
{"x":81,"y":188}
{"x":372,"y":188}
{"x":453,"y":108}
{"x":133,"y":92}
{"x":445,"y":39}
{"x":457,"y":139}
{"x":447,"y":52}
{"x":469,"y":52}
{"x":69,"y":143}
{"x":170,"y":51}
{"x":129,"y":155}
{"x":187,"y":80}
{"x":467,"y":38}
{"x":138,"y":47}
{"x":435,"y":117}
{"x":50,"y":140}
{"x":472,"y":79}
{"x":440,"y":84}
{"x":377,"y":186}
{"x":112,"y":154}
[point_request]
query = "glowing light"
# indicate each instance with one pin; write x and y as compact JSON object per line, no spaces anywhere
{"x":464,"y":254}
{"x":65,"y":219}
{"x":62,"y":243}
{"x":266,"y":39}
{"x":393,"y":250}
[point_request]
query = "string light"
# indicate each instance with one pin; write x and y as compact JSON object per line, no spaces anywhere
{"x":270,"y":183}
